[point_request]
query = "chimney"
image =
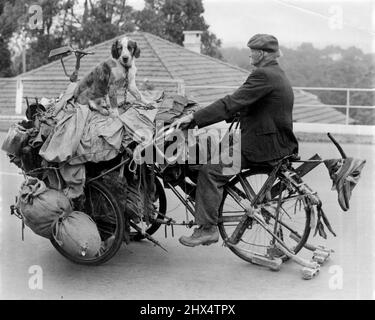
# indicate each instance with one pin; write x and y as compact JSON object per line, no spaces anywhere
{"x":192,"y":40}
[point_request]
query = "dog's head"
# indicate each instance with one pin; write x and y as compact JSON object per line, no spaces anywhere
{"x":124,"y":50}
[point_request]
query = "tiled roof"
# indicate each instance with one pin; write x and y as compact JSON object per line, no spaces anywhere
{"x":160,"y":59}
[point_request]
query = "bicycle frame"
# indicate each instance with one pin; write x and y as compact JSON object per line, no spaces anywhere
{"x":268,"y":187}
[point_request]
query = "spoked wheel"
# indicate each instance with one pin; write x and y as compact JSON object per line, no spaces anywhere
{"x":294,"y":218}
{"x":160,"y":206}
{"x":103,"y":208}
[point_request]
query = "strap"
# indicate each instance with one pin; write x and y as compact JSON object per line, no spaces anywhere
{"x":126,"y":84}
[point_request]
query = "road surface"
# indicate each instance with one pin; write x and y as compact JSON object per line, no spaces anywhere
{"x":143,"y":271}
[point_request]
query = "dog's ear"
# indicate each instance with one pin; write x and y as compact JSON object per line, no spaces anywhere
{"x":137,"y":50}
{"x":116,"y":49}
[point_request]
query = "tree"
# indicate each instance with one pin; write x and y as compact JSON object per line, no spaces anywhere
{"x":211,"y":45}
{"x":150,"y":18}
{"x":14,"y":24}
{"x":102,"y":20}
{"x":50,"y":35}
{"x":9,"y":13}
{"x":62,"y":23}
{"x":169,"y":18}
{"x":5,"y":61}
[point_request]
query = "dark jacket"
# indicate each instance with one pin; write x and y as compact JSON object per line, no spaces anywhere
{"x":265,"y":104}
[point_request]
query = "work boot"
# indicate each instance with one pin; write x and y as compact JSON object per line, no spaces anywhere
{"x":201,"y":235}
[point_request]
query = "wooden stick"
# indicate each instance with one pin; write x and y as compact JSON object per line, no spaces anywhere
{"x":301,"y":261}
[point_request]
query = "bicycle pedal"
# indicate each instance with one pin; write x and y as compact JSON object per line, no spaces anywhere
{"x":207,"y":243}
{"x":273,"y":264}
{"x":309,"y":273}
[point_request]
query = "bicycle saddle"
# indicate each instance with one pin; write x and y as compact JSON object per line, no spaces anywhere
{"x":293,"y":157}
{"x":272,"y":163}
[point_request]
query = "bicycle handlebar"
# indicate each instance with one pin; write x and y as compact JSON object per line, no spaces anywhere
{"x":79,"y":55}
{"x":82,"y":52}
{"x":65,"y":51}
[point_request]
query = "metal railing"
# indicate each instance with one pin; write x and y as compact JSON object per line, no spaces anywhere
{"x":347,"y":105}
{"x":181,"y":87}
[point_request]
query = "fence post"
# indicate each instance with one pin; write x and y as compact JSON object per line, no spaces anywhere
{"x":181,"y":87}
{"x":19,"y":96}
{"x":347,"y":106}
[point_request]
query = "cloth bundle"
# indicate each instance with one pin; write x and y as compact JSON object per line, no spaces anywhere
{"x":41,"y":207}
{"x":345,"y":174}
{"x":173,"y":107}
{"x":84,"y":136}
{"x":67,"y":135}
{"x":78,"y":234}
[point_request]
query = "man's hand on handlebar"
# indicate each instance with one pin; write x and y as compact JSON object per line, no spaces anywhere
{"x":183,"y":122}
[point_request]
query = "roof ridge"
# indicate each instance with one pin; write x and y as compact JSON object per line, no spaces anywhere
{"x":145,"y":34}
{"x":199,"y":54}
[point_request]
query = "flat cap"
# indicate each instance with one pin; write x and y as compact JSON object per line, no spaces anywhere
{"x":265,"y":42}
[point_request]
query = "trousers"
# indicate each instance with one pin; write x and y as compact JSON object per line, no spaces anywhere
{"x":209,"y":192}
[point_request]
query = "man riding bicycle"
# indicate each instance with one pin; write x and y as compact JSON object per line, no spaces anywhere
{"x":265,"y":104}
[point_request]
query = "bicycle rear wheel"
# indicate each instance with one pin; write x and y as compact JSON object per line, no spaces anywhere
{"x":160,"y":206}
{"x":294,"y":218}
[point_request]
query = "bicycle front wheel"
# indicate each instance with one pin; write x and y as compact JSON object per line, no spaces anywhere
{"x":293,"y":222}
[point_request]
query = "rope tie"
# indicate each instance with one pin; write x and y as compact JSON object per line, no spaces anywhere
{"x":126,"y":84}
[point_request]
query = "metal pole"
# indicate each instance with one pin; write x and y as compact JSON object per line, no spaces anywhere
{"x":24,"y":59}
{"x":181,"y":88}
{"x":347,"y":107}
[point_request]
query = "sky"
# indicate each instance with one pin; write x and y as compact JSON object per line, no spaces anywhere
{"x":322,"y":22}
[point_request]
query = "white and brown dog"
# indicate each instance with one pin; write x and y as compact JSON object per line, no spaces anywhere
{"x":104,"y":80}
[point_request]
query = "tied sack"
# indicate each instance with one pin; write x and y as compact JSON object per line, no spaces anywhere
{"x":78,"y":234}
{"x":16,"y":137}
{"x":41,"y":207}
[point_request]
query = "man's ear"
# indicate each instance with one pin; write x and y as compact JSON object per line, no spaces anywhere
{"x":137,"y":51}
{"x":116,"y":49}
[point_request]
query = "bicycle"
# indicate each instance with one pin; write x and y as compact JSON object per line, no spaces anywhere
{"x":264,"y":218}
